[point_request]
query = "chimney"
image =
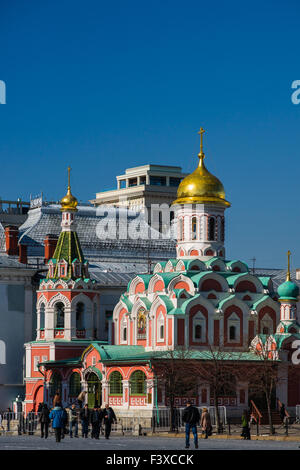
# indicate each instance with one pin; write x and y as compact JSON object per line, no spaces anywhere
{"x":23,"y":254}
{"x":50,"y":245}
{"x":11,"y":240}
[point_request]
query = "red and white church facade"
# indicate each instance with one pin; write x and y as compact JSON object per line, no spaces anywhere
{"x":198,"y":301}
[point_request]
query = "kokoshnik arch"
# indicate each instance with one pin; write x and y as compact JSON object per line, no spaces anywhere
{"x":198,"y":301}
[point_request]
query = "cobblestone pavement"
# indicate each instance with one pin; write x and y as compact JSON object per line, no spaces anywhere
{"x":138,"y":443}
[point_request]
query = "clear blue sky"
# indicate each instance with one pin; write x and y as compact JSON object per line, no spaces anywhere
{"x":104,"y":86}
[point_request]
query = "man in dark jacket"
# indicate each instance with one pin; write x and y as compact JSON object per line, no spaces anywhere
{"x":44,"y":420}
{"x":85,"y":419}
{"x":191,"y":417}
{"x":109,"y":418}
{"x":95,"y":420}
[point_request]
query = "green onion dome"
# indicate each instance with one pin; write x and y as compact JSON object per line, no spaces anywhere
{"x":288,"y":290}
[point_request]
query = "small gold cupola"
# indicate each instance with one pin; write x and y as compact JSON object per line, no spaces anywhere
{"x":69,"y":202}
{"x":201,"y":186}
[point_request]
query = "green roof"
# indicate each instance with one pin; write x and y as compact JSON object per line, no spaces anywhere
{"x":68,"y":248}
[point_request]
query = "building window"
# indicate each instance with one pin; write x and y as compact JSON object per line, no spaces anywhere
{"x":124,"y":330}
{"x":194,"y":228}
{"x":157,"y":180}
{"x":222,"y":230}
{"x":232,"y":333}
{"x":199,"y":328}
{"x":59,"y":315}
{"x":80,"y":310}
{"x":115,"y":383}
{"x":266,"y":324}
{"x":74,"y":385}
{"x":161,"y":328}
{"x":211,"y":228}
{"x":233,"y":328}
{"x":137,"y":383}
{"x":42,"y":316}
{"x":198,"y":332}
{"x":36,"y":361}
{"x":174,"y":181}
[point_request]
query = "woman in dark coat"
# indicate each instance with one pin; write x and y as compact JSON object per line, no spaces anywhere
{"x":44,"y":420}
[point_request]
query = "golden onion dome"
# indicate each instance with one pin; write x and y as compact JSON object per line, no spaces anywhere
{"x":69,"y":202}
{"x":201,"y":186}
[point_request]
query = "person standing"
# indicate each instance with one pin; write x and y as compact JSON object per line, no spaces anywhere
{"x":73,"y":420}
{"x":282,"y":412}
{"x":57,"y":399}
{"x":205,"y":423}
{"x":109,"y":417}
{"x":85,"y":419}
{"x":30,"y":422}
{"x":57,"y":415}
{"x":44,"y":420}
{"x":245,"y":425}
{"x":95,"y":421}
{"x":191,"y":418}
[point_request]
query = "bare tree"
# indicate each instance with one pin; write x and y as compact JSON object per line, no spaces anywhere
{"x":173,"y":374}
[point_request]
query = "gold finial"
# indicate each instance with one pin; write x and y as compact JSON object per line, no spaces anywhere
{"x":69,"y":185}
{"x":201,"y":154}
{"x":288,"y":274}
{"x":69,"y":202}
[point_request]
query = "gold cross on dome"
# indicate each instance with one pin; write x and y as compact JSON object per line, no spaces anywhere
{"x":69,"y":169}
{"x":201,"y":132}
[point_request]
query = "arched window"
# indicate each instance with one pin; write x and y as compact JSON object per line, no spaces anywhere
{"x":42,"y":316}
{"x":55,"y":384}
{"x":115,"y":383}
{"x":211,"y":228}
{"x":80,"y":310}
{"x":198,"y":331}
{"x":266,"y":325}
{"x":194,"y":228}
{"x":137,"y":383}
{"x":199,"y":327}
{"x":161,"y":328}
{"x":232,"y":333}
{"x":74,"y":385}
{"x":59,"y":310}
{"x":233,"y":328}
{"x":124,"y":330}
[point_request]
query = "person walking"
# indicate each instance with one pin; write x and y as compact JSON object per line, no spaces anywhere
{"x":245,"y":425}
{"x":85,"y":420}
{"x":8,"y":418}
{"x":30,"y":422}
{"x":44,"y":420}
{"x":109,"y":417}
{"x":73,"y":420}
{"x":205,"y":423}
{"x":191,"y":417}
{"x":95,"y":421}
{"x":57,"y":416}
{"x":282,"y":412}
{"x":81,"y":398}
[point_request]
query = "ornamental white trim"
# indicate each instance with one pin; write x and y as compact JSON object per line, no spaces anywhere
{"x":59,"y":298}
